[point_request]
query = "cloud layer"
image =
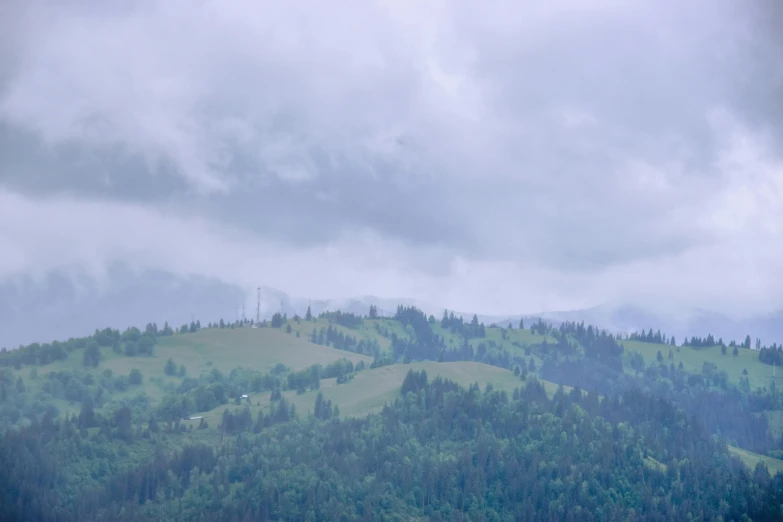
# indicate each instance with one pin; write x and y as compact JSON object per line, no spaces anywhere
{"x":502,"y":158}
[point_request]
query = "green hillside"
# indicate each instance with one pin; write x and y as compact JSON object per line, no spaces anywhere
{"x":514,"y":341}
{"x":371,"y":389}
{"x":241,"y":404}
{"x":751,"y":459}
{"x":380,"y":330}
{"x":368,"y":330}
{"x":693,"y":360}
{"x":257,"y":348}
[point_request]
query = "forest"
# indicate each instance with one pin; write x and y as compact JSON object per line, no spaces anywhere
{"x":579,"y":428}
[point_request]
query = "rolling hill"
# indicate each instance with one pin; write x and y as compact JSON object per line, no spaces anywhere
{"x":369,"y":390}
{"x":209,"y":358}
{"x":693,"y":359}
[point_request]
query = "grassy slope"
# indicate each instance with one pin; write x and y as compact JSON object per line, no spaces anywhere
{"x":693,"y":359}
{"x":523,"y":337}
{"x":775,"y":419}
{"x":263,"y":348}
{"x":257,"y":348}
{"x":224,"y":349}
{"x":775,"y":466}
{"x":369,"y":390}
{"x":367,"y":331}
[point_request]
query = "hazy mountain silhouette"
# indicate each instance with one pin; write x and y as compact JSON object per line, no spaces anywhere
{"x":66,"y":304}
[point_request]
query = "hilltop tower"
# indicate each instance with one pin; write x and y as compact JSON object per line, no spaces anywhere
{"x":258,"y":307}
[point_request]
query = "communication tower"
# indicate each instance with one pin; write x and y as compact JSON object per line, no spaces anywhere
{"x":258,"y":307}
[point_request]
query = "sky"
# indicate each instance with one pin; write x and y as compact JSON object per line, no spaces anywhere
{"x":500,"y":157}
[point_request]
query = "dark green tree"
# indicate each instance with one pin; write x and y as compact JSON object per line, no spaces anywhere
{"x":170,"y":368}
{"x":135,"y":377}
{"x":92,"y":355}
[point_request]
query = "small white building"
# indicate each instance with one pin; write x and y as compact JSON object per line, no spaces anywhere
{"x":243,"y":396}
{"x":197,"y":418}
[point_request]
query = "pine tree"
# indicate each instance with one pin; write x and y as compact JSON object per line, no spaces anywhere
{"x":170,"y":368}
{"x":308,"y":314}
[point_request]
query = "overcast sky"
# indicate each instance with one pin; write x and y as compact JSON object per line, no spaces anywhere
{"x":497,"y":156}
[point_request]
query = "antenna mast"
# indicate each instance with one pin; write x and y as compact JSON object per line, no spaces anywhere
{"x":258,"y":308}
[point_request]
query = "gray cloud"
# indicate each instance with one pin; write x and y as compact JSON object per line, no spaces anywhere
{"x":500,"y":156}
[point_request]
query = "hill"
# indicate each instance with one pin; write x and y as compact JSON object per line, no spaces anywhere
{"x":751,"y":459}
{"x":257,"y":348}
{"x":693,"y":360}
{"x":371,"y":389}
{"x":127,"y":424}
{"x":65,"y":383}
{"x":201,"y":371}
{"x":682,"y":322}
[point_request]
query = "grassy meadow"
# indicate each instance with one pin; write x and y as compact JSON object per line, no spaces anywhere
{"x":371,"y":389}
{"x":225,"y":349}
{"x":751,"y":459}
{"x":693,"y":359}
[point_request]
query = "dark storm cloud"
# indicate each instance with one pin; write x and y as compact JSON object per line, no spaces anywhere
{"x":579,"y":142}
{"x":757,"y":88}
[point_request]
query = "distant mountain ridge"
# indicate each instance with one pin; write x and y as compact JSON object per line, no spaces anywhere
{"x":680,"y":323}
{"x":71,"y":304}
{"x":274,"y":301}
{"x":66,"y":304}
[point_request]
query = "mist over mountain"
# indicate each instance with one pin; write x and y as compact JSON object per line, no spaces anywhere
{"x":69,"y":303}
{"x":627,"y":318}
